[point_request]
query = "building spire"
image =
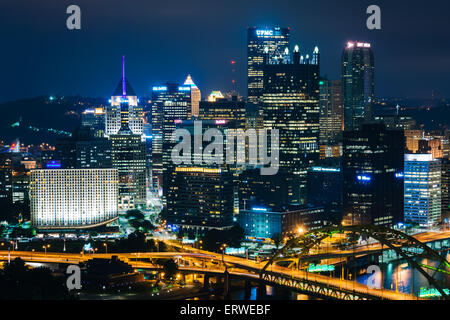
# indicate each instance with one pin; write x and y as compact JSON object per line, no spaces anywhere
{"x":124,"y":87}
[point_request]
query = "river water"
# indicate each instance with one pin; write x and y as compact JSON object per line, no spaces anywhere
{"x":396,"y":275}
{"x":400,"y":276}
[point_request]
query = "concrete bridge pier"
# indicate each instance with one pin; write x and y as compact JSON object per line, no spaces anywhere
{"x":226,"y":285}
{"x":206,"y":281}
{"x":248,"y":290}
{"x":261,"y":291}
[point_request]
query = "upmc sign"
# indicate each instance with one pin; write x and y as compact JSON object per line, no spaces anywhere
{"x":260,"y":33}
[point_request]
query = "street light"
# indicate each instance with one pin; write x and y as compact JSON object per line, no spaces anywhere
{"x":106,"y":247}
{"x":45,"y":248}
{"x":223,"y":251}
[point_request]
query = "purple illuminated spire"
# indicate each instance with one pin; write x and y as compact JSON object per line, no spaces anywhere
{"x":124,"y":88}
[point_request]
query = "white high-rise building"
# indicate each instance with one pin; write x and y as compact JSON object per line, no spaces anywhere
{"x":422,"y":178}
{"x":196,"y":96}
{"x":73,"y":198}
{"x":124,"y":100}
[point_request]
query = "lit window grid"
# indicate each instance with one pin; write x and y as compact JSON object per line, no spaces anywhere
{"x":65,"y":198}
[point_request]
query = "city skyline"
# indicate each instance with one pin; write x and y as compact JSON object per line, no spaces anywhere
{"x":158,"y":53}
{"x":248,"y":151}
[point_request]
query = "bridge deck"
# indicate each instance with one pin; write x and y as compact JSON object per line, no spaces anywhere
{"x":202,"y":262}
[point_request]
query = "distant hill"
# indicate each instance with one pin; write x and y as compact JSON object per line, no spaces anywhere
{"x":43,"y":113}
{"x":429,"y":115}
{"x":437,"y":118}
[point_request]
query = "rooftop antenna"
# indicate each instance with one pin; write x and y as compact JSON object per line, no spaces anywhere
{"x":124,"y":89}
{"x":233,"y":74}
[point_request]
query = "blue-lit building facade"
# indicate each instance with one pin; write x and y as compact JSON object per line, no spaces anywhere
{"x":422,"y":189}
{"x":324,"y":188}
{"x":261,"y":222}
{"x":264,"y":223}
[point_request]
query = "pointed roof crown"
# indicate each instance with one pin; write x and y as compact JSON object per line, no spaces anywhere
{"x":119,"y":92}
{"x":189,"y":82}
{"x":123,"y":88}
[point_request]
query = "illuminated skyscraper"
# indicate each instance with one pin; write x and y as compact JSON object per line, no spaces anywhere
{"x":445,"y":186}
{"x":273,"y":41}
{"x":358,"y":68}
{"x":325,"y":188}
{"x":331,"y":111}
{"x":373,"y":175}
{"x":422,"y":189}
{"x":223,"y":109}
{"x":95,"y":119}
{"x":124,"y":95}
{"x":6,"y":177}
{"x":291,"y":104}
{"x":199,"y":195}
{"x":232,"y":113}
{"x":200,"y":198}
{"x":196,"y":96}
{"x":128,"y":157}
{"x":170,"y":103}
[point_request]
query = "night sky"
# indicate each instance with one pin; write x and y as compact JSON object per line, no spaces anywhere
{"x":165,"y":40}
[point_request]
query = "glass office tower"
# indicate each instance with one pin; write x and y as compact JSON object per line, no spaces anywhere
{"x":331,"y":111}
{"x":199,"y":195}
{"x":291,"y":105}
{"x":422,"y":189}
{"x":128,"y":156}
{"x":373,"y":176}
{"x":274,"y":40}
{"x":358,"y":68}
{"x":171,"y":102}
